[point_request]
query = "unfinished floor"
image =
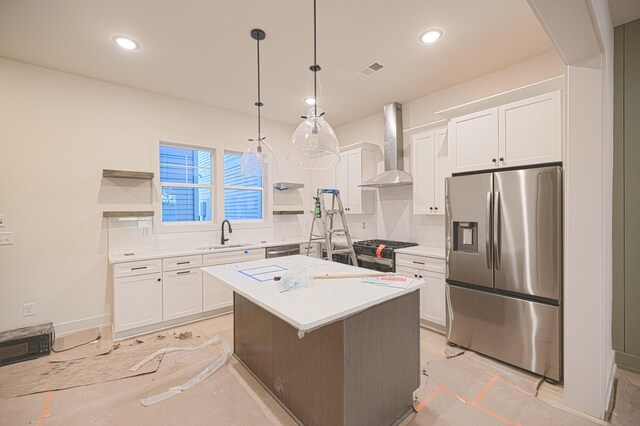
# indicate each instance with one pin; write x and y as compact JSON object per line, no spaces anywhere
{"x":467,"y":389}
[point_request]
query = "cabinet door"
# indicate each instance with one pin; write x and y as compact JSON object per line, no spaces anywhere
{"x":137,"y":301}
{"x":531,"y":131}
{"x":355,"y":178}
{"x":422,"y":161}
{"x":433,"y":299}
{"x":342,"y":178}
{"x":182,"y":293}
{"x":473,"y":141}
{"x":442,"y":168}
{"x":412,"y":273}
{"x":216,"y":295}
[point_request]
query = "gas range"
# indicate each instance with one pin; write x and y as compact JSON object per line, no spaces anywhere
{"x":378,"y":254}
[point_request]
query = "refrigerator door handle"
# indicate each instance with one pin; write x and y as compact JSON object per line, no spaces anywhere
{"x":496,"y":230}
{"x":487,"y":238}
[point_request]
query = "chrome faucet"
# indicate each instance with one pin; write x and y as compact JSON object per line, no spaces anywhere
{"x":222,"y":238}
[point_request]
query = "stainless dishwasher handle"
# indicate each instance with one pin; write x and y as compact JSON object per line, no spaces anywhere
{"x":284,"y":252}
{"x":487,"y":231}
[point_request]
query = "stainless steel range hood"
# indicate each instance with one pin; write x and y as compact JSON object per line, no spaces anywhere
{"x":393,"y":174}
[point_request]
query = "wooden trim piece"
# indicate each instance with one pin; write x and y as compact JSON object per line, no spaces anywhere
{"x":528,"y":91}
{"x":126,"y":174}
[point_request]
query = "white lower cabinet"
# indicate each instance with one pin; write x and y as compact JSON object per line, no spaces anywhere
{"x":181,"y":293}
{"x":432,"y":295}
{"x":215,"y":294}
{"x":137,"y":301}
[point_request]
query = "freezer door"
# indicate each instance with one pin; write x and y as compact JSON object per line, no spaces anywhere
{"x":468,"y":206}
{"x":519,"y":332}
{"x":528,"y":232}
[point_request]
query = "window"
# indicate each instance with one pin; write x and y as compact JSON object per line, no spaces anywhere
{"x":187,"y":185}
{"x":243,"y":195}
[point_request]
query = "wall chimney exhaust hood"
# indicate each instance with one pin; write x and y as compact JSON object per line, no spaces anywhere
{"x":393,"y":174}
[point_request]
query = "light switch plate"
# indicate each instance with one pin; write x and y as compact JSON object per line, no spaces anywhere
{"x":6,"y":238}
{"x":1,"y":220}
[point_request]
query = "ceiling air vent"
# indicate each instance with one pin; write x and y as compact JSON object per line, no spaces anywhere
{"x":370,"y":69}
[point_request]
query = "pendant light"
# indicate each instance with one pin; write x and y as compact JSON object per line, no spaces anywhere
{"x":314,"y":144}
{"x":259,"y":158}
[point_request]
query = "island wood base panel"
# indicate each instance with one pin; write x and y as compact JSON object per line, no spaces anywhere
{"x":361,"y":370}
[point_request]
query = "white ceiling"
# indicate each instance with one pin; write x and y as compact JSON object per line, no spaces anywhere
{"x":623,"y":11}
{"x":200,"y":50}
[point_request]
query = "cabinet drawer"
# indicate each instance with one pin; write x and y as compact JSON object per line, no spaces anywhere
{"x":129,"y":269}
{"x":181,"y":262}
{"x":421,"y":262}
{"x":236,"y":256}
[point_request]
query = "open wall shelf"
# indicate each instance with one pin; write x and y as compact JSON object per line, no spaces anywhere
{"x":126,"y":174}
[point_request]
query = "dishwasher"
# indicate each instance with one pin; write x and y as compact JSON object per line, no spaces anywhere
{"x":286,"y":250}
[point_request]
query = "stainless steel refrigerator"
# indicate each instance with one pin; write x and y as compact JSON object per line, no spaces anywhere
{"x":504,"y":266}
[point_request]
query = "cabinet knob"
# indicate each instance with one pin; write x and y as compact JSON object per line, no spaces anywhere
{"x":159,"y":279}
{"x":493,"y":160}
{"x":502,"y":159}
{"x":420,"y":276}
{"x":415,"y":275}
{"x":435,"y":208}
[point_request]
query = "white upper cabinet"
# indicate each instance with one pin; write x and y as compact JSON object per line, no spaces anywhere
{"x":430,"y":167}
{"x":519,"y":133}
{"x":473,"y":140}
{"x":357,"y":165}
{"x":531,"y":131}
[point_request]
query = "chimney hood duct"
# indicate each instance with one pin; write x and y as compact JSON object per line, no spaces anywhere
{"x":393,"y":174}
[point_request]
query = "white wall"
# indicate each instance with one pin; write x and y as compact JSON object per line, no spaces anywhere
{"x":394,"y":218}
{"x":57,"y":132}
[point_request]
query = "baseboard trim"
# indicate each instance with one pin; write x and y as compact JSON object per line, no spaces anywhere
{"x":610,"y":387}
{"x":64,"y":328}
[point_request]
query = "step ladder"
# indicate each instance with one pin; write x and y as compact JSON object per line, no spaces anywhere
{"x":327,"y":216}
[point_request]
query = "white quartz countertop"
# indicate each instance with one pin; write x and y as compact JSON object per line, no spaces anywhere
{"x":423,"y":251}
{"x":307,"y":308}
{"x":146,"y":254}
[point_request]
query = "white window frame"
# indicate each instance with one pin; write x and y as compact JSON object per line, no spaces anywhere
{"x":165,"y":227}
{"x":266,"y":199}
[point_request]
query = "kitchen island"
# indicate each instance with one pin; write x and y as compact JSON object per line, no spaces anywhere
{"x":341,"y":352}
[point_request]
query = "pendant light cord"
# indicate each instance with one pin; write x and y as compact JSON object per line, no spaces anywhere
{"x":259,"y":103}
{"x":315,"y":62}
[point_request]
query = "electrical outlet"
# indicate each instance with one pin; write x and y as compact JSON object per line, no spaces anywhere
{"x":28,"y":309}
{"x":6,"y":238}
{"x":1,"y":220}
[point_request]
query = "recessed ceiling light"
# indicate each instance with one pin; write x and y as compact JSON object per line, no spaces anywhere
{"x":126,"y":42}
{"x":431,"y":35}
{"x":310,"y":100}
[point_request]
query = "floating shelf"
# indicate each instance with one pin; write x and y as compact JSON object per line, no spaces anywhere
{"x":127,"y":214}
{"x":287,"y":212}
{"x":126,"y":174}
{"x":283,"y":186}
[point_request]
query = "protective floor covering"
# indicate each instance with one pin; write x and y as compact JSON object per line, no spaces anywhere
{"x":83,"y":366}
{"x":464,"y":390}
{"x":627,"y":406}
{"x":470,"y":389}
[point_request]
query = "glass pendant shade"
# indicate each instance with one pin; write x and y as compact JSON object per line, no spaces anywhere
{"x":314,"y":144}
{"x":258,"y":159}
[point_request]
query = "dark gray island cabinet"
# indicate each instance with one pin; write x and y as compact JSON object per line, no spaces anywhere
{"x":329,"y":360}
